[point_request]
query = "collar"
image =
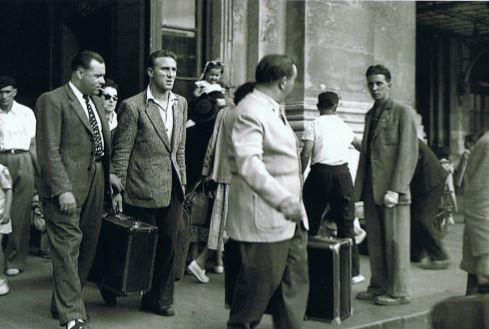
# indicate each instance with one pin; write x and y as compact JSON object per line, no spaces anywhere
{"x":76,"y":91}
{"x":275,"y":105}
{"x":14,"y":109}
{"x":149,"y":97}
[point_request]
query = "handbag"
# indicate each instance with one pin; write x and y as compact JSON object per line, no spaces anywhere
{"x":198,"y":204}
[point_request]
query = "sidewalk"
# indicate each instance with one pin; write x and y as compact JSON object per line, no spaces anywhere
{"x":201,"y":306}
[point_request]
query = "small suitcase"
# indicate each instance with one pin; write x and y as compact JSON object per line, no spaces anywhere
{"x":126,"y":255}
{"x":330,"y":279}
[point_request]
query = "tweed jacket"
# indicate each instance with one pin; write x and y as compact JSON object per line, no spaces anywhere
{"x":143,"y":157}
{"x":266,"y":169}
{"x":393,"y":153}
{"x":65,"y":145}
{"x":476,"y":205}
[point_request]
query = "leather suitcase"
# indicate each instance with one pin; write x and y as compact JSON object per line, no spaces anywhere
{"x":330,"y":279}
{"x":126,"y":255}
{"x":467,"y":312}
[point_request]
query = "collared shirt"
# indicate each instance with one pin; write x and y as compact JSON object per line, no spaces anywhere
{"x":17,"y":128}
{"x":166,"y":113}
{"x":80,"y":98}
{"x":332,"y":138}
{"x":112,"y":120}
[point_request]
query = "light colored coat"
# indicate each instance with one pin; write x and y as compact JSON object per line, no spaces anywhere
{"x":143,"y":157}
{"x":266,"y":169}
{"x":393,"y":153}
{"x":476,"y":205}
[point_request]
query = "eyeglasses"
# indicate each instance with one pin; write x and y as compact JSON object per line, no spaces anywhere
{"x":109,"y":97}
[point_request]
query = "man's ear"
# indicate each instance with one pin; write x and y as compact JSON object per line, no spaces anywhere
{"x":79,"y":72}
{"x":150,"y":72}
{"x":282,"y":83}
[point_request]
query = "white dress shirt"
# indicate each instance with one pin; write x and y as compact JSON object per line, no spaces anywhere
{"x":166,"y":113}
{"x":17,"y":128}
{"x":83,"y":103}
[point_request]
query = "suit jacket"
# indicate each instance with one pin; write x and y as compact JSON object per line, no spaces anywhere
{"x":476,"y":205}
{"x":393,"y":153}
{"x":65,"y":145}
{"x":266,"y":169}
{"x":143,"y":157}
{"x":429,"y":173}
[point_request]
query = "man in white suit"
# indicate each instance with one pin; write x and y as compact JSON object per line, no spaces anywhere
{"x":267,"y":222}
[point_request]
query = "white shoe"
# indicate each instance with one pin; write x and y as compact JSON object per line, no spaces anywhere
{"x":219,"y":269}
{"x":357,"y":279}
{"x":4,"y":289}
{"x":198,"y":272}
{"x":12,"y":271}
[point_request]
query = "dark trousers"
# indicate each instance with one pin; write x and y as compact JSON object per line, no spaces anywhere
{"x":167,"y":219}
{"x":16,"y":244}
{"x":267,"y":274}
{"x":73,"y":244}
{"x":425,"y":237}
{"x":332,"y":185}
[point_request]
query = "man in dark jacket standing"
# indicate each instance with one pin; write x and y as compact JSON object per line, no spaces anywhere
{"x":426,"y":190}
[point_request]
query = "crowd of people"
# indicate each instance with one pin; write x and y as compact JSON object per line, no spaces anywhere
{"x":83,"y":155}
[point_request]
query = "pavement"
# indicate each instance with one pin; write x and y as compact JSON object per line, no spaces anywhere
{"x":201,"y":306}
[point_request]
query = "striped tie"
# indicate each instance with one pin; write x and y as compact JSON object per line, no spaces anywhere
{"x":99,"y":149}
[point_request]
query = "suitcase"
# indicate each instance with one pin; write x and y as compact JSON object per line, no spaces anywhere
{"x":126,"y":255}
{"x":468,"y":312}
{"x":330,"y":279}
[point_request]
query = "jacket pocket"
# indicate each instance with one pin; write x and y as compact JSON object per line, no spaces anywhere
{"x":267,"y":218}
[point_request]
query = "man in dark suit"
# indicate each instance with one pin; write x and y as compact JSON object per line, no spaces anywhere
{"x":388,"y":157}
{"x":426,"y":188}
{"x":149,"y":160}
{"x":73,"y":144}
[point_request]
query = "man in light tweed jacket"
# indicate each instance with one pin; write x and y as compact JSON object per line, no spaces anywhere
{"x":149,"y":159}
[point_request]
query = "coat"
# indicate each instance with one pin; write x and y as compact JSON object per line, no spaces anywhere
{"x":143,"y":157}
{"x":476,"y":205}
{"x":393,"y":153}
{"x":266,"y":169}
{"x":65,"y":146}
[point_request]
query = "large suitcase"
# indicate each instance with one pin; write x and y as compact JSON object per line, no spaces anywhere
{"x":330,"y":279}
{"x":126,"y":255}
{"x":467,"y":312}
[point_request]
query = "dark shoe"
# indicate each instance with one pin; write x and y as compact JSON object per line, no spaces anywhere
{"x":367,"y":295}
{"x":159,"y":310}
{"x":435,"y":265}
{"x":109,"y":297}
{"x":386,"y":300}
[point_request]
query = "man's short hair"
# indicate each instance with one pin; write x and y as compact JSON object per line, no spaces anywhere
{"x":327,"y":100}
{"x":6,"y":81}
{"x":84,"y":58}
{"x":274,"y":67}
{"x":379,"y":69}
{"x":158,"y":54}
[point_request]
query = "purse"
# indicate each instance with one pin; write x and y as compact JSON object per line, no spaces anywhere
{"x":198,"y":204}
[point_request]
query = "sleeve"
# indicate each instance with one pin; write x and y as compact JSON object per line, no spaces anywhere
{"x":123,"y":140}
{"x":309,"y":132}
{"x":247,"y":143}
{"x":181,"y":146}
{"x":407,"y":152}
{"x":5,"y":179}
{"x":48,"y":142}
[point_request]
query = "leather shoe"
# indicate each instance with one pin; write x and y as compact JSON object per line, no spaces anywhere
{"x":159,"y":310}
{"x":109,"y":297}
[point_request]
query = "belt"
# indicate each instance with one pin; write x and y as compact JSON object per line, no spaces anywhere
{"x":13,"y":151}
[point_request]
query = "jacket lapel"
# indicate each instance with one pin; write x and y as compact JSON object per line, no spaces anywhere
{"x":154,"y":115}
{"x":383,"y":116}
{"x":75,"y":104}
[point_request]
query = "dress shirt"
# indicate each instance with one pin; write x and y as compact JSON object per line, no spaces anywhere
{"x":83,"y":103}
{"x":165,"y":113}
{"x":17,"y":128}
{"x":112,"y":120}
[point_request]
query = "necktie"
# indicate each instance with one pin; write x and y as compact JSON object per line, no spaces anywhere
{"x":99,"y":150}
